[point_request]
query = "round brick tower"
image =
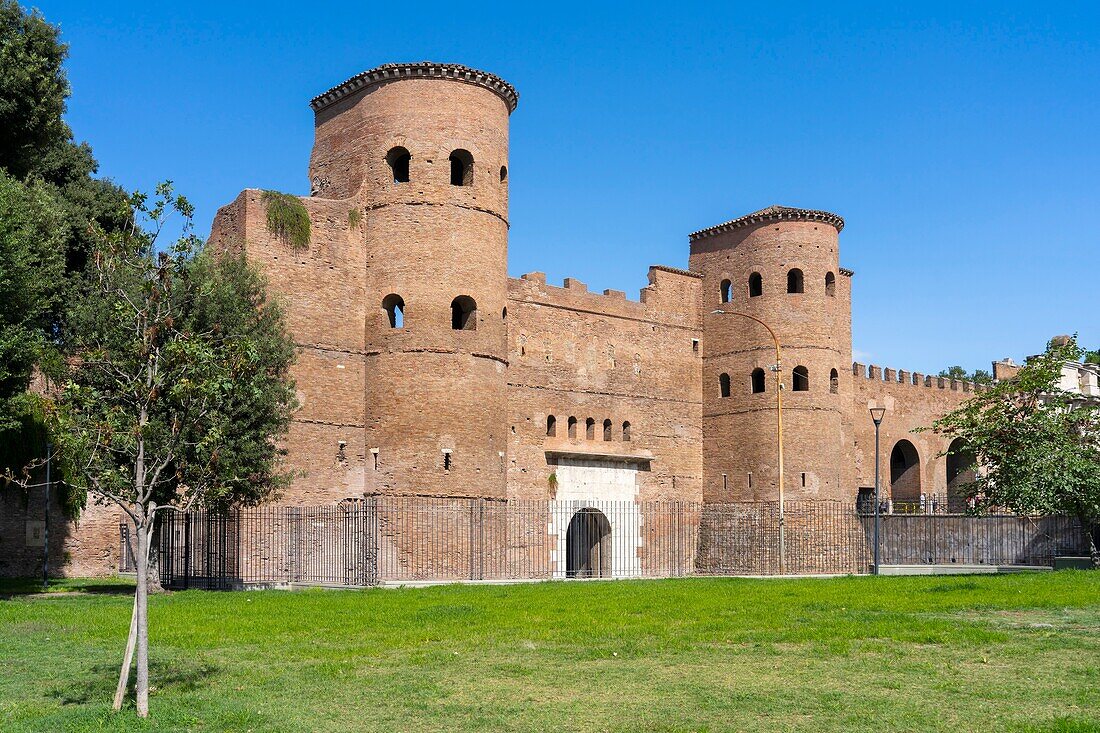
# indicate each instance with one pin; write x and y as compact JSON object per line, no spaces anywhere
{"x":781,"y":266}
{"x":420,"y":151}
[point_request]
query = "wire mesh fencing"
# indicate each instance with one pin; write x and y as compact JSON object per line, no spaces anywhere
{"x":383,"y":539}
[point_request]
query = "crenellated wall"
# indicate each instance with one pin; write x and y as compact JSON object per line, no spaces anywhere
{"x":584,"y":355}
{"x":912,"y":400}
{"x":424,"y":399}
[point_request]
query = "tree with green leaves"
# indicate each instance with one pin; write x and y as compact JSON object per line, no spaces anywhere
{"x":50,"y":204}
{"x":1037,"y":448}
{"x":1092,"y":357}
{"x":31,"y":266}
{"x":978,"y":376}
{"x":177,"y":387}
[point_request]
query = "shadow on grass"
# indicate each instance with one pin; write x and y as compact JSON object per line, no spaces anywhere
{"x":12,"y":587}
{"x":97,"y":683}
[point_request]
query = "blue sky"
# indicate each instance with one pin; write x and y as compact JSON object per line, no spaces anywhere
{"x":959,"y":141}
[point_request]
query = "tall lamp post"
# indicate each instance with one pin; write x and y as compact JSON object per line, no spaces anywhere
{"x":877,"y":413}
{"x":778,"y":369}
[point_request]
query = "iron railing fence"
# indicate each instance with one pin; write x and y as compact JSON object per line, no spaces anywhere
{"x":998,"y":539}
{"x":924,"y":504}
{"x":126,"y":561}
{"x":408,"y":538}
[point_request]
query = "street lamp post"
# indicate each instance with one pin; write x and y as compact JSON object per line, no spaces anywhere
{"x":877,"y":414}
{"x":778,"y":422}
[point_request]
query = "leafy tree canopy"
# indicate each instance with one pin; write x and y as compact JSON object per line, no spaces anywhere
{"x":31,"y":263}
{"x":180,"y":362}
{"x":978,"y":376}
{"x":35,"y":141}
{"x":1037,"y":447}
{"x":50,"y":204}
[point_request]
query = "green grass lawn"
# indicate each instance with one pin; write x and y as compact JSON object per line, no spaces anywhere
{"x":989,"y":653}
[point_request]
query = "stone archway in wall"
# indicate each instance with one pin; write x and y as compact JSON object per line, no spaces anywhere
{"x":960,"y":473}
{"x":588,"y":549}
{"x":905,"y":487}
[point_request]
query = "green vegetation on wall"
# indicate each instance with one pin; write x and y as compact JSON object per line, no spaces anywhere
{"x":287,"y":218}
{"x":354,"y":217}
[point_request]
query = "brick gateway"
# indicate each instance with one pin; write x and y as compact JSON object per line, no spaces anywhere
{"x":424,"y":367}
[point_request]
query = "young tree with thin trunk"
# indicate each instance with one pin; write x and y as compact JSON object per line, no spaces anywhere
{"x":167,"y":350}
{"x":1037,"y":447}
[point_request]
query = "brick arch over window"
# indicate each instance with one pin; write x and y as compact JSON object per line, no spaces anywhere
{"x":464,"y":313}
{"x":795,"y":281}
{"x":725,"y":290}
{"x":724,"y":384}
{"x":830,"y":284}
{"x":462,"y":168}
{"x":572,"y":427}
{"x":904,"y":474}
{"x":394,"y":306}
{"x":398,"y":160}
{"x":551,"y":426}
{"x":757,"y":380}
{"x":800,"y":379}
{"x":756,"y":285}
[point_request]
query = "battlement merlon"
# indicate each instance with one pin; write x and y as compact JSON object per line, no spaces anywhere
{"x":672,"y":296}
{"x":875,"y":373}
{"x":419,"y":70}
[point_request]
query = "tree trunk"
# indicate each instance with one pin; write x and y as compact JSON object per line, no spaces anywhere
{"x":141,"y":608}
{"x":131,"y":639}
{"x":127,"y":659}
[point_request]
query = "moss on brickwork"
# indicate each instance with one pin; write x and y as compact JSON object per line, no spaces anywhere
{"x":287,"y":218}
{"x":354,"y":217}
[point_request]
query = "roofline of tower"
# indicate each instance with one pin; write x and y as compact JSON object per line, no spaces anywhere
{"x":419,"y":70}
{"x":772,"y":213}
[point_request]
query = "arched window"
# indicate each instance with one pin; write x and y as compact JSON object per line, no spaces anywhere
{"x":800,"y":379}
{"x":757,"y":380}
{"x":726,"y":291}
{"x":590,"y":429}
{"x":830,"y":284}
{"x":607,"y":430}
{"x":834,"y":381}
{"x":626,"y":431}
{"x":398,"y":161}
{"x":504,"y":314}
{"x":724,"y":384}
{"x":572,"y":428}
{"x":394,"y":306}
{"x":794,"y":281}
{"x":551,"y":426}
{"x":462,"y":168}
{"x":503,"y":173}
{"x":756,"y":285}
{"x":464,"y":314}
{"x":905,"y":476}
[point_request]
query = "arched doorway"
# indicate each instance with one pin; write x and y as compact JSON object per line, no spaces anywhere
{"x":905,"y":477}
{"x":960,"y":473}
{"x":588,"y":545}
